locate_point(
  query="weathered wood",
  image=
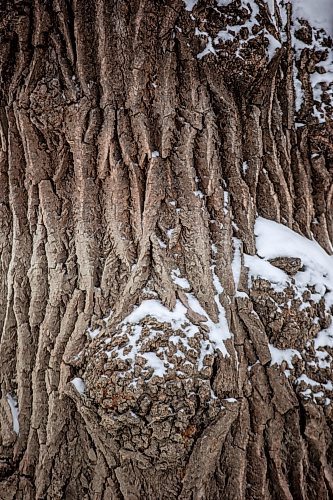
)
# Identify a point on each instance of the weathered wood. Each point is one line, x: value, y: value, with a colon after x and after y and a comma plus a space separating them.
x: 126, y: 157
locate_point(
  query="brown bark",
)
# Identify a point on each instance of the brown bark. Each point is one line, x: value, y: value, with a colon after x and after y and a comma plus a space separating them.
x: 93, y: 219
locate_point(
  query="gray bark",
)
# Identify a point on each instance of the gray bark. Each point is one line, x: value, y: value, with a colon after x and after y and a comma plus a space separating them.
x: 89, y: 91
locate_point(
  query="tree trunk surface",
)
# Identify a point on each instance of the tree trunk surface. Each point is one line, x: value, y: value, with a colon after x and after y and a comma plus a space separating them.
x: 144, y: 147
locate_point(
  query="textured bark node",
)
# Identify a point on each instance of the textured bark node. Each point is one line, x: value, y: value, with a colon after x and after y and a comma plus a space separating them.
x: 151, y: 346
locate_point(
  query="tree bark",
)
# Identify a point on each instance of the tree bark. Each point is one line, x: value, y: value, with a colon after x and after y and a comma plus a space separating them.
x: 138, y: 148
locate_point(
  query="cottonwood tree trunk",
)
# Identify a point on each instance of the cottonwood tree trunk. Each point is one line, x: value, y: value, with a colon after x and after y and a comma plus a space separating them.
x: 140, y: 140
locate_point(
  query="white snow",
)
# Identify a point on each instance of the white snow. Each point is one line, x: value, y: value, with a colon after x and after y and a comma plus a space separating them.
x: 107, y: 318
x: 308, y: 381
x: 155, y: 309
x: 273, y: 45
x: 209, y: 49
x: 93, y: 333
x: 177, y: 319
x: 324, y: 338
x: 198, y: 32
x: 280, y: 355
x: 319, y: 13
x: 319, y: 394
x: 230, y: 31
x: 276, y: 240
x: 319, y: 79
x: 198, y: 194
x: 156, y: 363
x: 271, y: 6
x: 324, y: 359
x: 155, y: 154
x: 170, y: 232
x: 15, y: 412
x: 79, y: 384
x: 176, y: 278
x: 236, y: 262
x: 260, y: 268
x: 328, y: 386
x: 245, y: 167
x: 225, y: 202
x: 217, y: 331
x: 189, y: 4
x: 161, y: 243
x: 312, y: 390
x: 216, y: 281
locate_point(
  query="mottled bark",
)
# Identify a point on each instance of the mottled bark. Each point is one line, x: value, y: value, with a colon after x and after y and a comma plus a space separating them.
x: 122, y: 163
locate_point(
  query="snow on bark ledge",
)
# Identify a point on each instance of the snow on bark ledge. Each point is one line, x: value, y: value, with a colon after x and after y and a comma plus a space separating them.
x: 294, y: 303
x: 276, y: 240
x: 158, y: 364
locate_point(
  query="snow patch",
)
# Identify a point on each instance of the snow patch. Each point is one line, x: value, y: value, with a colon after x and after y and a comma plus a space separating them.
x: 79, y: 384
x: 237, y: 261
x: 218, y: 332
x: 182, y: 282
x: 299, y: 95
x: 161, y: 243
x: 170, y: 232
x: 156, y: 363
x: 315, y: 278
x: 245, y: 167
x: 273, y: 45
x: 319, y: 13
x: 230, y: 31
x: 260, y: 268
x: 189, y: 4
x: 209, y: 49
x: 280, y: 355
x: 276, y: 240
x: 108, y: 316
x: 324, y: 338
x: 156, y: 310
x: 93, y: 333
x: 134, y: 342
x: 198, y: 194
x: 15, y: 412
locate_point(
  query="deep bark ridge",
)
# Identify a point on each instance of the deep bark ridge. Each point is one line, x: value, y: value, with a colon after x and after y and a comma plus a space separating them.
x: 166, y: 278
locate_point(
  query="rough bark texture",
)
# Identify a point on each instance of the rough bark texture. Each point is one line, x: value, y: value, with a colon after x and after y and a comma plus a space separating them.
x: 133, y: 157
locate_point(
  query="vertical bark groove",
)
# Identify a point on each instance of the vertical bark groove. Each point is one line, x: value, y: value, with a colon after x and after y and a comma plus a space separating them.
x: 140, y: 141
